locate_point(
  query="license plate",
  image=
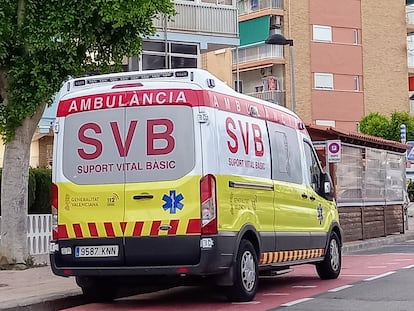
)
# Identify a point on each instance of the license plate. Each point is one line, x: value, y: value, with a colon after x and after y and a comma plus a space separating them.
x: 96, y: 251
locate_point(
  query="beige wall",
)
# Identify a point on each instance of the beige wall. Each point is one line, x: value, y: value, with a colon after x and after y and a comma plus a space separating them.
x: 34, y: 154
x: 384, y: 56
x: 297, y: 16
x: 219, y: 63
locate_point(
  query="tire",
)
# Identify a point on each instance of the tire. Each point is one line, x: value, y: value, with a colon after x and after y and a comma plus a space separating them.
x: 245, y: 274
x: 330, y: 267
x: 97, y: 289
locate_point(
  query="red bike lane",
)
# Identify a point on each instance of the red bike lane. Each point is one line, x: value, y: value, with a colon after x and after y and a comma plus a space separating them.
x: 302, y: 283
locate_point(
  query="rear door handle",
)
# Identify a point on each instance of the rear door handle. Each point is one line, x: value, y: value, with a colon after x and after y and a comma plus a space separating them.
x: 312, y: 198
x: 304, y: 196
x: 143, y: 196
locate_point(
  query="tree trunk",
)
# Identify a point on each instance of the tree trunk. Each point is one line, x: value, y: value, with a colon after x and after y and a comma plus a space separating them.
x: 14, y: 192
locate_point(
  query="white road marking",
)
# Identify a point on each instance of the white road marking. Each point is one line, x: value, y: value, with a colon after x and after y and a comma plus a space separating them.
x: 403, y: 259
x: 276, y: 294
x: 304, y: 286
x: 380, y: 276
x: 376, y: 267
x: 357, y: 275
x: 295, y: 302
x: 246, y: 303
x: 409, y: 267
x: 334, y: 290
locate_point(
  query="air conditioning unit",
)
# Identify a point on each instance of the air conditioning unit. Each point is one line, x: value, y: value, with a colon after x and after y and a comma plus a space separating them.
x: 276, y: 21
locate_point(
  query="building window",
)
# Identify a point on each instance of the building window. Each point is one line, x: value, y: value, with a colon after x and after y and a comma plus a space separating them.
x: 355, y: 36
x: 238, y: 86
x: 153, y: 62
x: 330, y: 123
x: 356, y: 83
x: 161, y: 55
x: 322, y: 33
x: 323, y: 81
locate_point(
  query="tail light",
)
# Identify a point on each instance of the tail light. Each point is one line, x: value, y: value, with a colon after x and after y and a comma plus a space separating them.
x: 54, y: 205
x: 208, y: 205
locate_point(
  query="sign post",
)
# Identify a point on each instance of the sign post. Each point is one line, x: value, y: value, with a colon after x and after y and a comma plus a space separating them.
x: 403, y: 133
x: 334, y: 151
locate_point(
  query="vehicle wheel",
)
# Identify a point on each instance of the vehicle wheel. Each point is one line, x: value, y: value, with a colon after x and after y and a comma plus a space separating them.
x: 245, y: 274
x: 330, y: 267
x: 97, y: 289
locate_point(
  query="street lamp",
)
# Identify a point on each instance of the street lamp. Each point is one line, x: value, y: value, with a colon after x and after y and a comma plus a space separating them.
x: 278, y: 39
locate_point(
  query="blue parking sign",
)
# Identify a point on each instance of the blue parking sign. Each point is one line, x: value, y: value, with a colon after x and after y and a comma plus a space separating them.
x: 410, y: 153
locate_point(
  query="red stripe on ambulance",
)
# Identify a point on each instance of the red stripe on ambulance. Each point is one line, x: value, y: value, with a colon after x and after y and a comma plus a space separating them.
x: 174, y: 226
x: 123, y: 225
x: 109, y: 229
x: 155, y: 227
x: 138, y: 228
x: 127, y: 99
x: 194, y: 226
x: 183, y: 97
x: 62, y: 232
x: 78, y: 230
x: 92, y: 229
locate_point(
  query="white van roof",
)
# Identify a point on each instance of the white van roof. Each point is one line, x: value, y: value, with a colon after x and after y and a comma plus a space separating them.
x: 200, y: 77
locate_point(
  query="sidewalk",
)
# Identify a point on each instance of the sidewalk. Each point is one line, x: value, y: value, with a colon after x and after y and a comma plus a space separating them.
x: 37, y: 289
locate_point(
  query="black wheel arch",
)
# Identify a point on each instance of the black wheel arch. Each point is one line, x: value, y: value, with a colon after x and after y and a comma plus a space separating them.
x: 248, y: 232
x: 335, y: 227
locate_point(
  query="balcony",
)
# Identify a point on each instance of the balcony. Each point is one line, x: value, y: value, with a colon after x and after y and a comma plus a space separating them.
x: 276, y: 97
x: 250, y: 6
x: 258, y: 52
x: 410, y: 21
x: 210, y: 20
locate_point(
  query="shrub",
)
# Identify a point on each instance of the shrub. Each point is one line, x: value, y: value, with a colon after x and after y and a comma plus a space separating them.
x: 41, y: 205
x: 40, y: 180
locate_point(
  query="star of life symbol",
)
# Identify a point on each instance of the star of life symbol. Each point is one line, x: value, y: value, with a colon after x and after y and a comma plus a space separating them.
x: 173, y: 202
x: 320, y: 214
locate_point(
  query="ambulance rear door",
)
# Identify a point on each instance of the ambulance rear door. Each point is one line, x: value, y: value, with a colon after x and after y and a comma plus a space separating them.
x: 162, y: 190
x: 90, y: 178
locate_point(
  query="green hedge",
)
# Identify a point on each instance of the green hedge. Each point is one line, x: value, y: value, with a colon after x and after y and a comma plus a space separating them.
x: 411, y: 191
x: 40, y: 180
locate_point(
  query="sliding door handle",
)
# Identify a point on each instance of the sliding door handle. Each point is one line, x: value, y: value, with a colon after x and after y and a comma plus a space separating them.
x: 143, y: 196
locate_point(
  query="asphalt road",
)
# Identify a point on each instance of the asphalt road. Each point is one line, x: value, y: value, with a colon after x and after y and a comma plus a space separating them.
x: 386, y: 292
x: 380, y: 280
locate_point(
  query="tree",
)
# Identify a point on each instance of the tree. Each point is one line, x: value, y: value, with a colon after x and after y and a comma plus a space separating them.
x: 398, y: 118
x: 376, y: 124
x: 42, y: 42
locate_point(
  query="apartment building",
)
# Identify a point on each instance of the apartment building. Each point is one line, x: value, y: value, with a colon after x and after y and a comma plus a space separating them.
x: 199, y: 26
x: 349, y: 57
x: 410, y: 52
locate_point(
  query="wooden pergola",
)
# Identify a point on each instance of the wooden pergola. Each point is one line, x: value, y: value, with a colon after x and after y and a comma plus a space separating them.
x: 363, y: 217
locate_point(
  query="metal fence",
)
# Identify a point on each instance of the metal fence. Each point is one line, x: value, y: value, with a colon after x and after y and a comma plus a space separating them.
x: 202, y: 18
x: 39, y: 228
x: 371, y: 176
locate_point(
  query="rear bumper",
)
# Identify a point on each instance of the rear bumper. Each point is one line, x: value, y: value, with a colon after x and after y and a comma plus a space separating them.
x: 215, y: 257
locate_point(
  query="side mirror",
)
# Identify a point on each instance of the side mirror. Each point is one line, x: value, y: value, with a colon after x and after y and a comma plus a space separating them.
x: 326, y: 189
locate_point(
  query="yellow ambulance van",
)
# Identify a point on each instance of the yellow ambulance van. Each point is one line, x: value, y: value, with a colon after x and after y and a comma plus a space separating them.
x: 172, y: 177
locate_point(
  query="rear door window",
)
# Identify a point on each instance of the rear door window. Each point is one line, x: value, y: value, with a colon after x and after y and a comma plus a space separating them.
x: 90, y: 151
x: 163, y: 146
x: 139, y: 144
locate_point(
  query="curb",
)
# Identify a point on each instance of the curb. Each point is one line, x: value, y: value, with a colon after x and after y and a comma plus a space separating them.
x: 52, y: 302
x: 350, y: 247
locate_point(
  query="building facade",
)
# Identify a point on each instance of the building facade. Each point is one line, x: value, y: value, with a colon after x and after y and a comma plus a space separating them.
x: 198, y: 27
x: 349, y: 57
